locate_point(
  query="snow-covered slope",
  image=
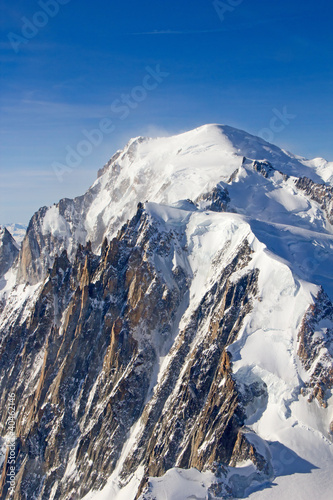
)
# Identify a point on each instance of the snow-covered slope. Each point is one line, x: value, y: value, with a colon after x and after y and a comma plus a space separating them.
x: 188, y: 354
x: 166, y: 170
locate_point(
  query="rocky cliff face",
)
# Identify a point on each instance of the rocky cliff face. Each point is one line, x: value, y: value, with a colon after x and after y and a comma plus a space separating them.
x: 83, y: 364
x: 320, y: 193
x: 43, y: 241
x: 195, y: 413
x: 8, y: 251
x: 103, y: 301
x: 86, y: 377
x: 316, y: 348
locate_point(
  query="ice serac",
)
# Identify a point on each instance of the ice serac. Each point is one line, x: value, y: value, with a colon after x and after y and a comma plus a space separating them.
x: 8, y: 251
x: 171, y: 329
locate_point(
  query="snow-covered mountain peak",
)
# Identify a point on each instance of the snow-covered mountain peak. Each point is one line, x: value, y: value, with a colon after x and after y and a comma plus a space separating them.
x: 17, y: 231
x: 229, y: 141
x: 166, y: 170
x: 6, y: 237
x: 9, y: 250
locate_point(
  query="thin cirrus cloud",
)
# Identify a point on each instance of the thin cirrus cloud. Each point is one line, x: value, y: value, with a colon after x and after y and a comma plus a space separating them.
x: 42, y: 108
x: 243, y: 25
x: 176, y: 32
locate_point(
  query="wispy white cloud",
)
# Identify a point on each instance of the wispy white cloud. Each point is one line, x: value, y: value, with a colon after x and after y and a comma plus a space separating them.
x: 176, y: 32
x: 26, y: 172
x: 31, y: 107
x: 249, y: 24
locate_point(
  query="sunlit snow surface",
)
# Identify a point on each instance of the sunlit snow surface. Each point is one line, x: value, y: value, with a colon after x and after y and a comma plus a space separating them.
x: 166, y: 170
x: 292, y: 245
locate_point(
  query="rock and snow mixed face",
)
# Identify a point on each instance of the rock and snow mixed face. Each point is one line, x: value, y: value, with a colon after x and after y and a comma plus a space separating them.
x: 166, y: 170
x: 8, y: 251
x: 17, y: 231
x: 197, y: 335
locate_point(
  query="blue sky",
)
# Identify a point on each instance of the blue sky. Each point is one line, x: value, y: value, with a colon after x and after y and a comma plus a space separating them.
x: 66, y: 65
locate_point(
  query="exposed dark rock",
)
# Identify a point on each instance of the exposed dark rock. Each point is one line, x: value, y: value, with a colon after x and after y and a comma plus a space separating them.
x: 116, y: 306
x: 82, y: 366
x: 199, y: 425
x: 320, y: 193
x: 264, y: 168
x: 106, y: 167
x: 8, y: 251
x: 216, y: 200
x: 316, y: 348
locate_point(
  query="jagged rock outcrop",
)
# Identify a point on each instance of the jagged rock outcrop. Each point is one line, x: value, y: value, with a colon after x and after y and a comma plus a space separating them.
x: 86, y: 359
x: 17, y: 231
x: 31, y: 262
x: 8, y: 251
x: 196, y: 423
x: 47, y: 236
x: 320, y: 193
x: 264, y: 168
x: 83, y: 377
x: 316, y: 348
x: 216, y: 200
